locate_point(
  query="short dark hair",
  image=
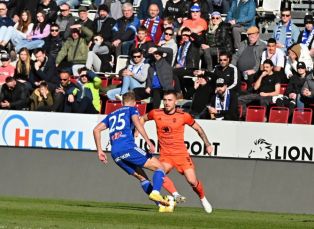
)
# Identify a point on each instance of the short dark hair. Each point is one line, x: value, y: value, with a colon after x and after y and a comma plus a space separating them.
x: 80, y: 70
x: 271, y: 41
x: 54, y: 25
x: 185, y: 29
x: 142, y: 28
x: 9, y: 79
x: 65, y: 71
x: 285, y: 9
x: 170, y: 92
x: 136, y: 50
x: 39, y: 50
x: 43, y: 84
x: 129, y: 96
x: 268, y: 61
x: 227, y: 54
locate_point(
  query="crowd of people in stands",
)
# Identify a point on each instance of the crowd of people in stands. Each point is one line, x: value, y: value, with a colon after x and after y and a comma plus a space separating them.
x: 54, y: 61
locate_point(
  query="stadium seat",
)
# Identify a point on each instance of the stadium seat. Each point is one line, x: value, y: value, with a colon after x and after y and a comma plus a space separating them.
x: 283, y: 88
x: 243, y: 86
x: 122, y: 62
x: 141, y: 107
x: 279, y: 115
x: 112, y: 106
x: 116, y: 81
x: 104, y: 82
x: 302, y: 116
x: 255, y: 114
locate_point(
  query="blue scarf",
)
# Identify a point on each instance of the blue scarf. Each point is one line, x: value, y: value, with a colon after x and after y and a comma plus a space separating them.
x: 288, y: 33
x: 223, y: 105
x: 307, y: 37
x: 154, y: 27
x: 182, y: 52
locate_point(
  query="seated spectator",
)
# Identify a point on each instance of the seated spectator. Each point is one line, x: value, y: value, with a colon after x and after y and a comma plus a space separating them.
x: 169, y: 42
x: 6, y: 25
x: 53, y: 43
x: 34, y: 40
x: 134, y: 76
x: 143, y: 41
x: 248, y: 58
x: 196, y: 24
x: 285, y: 32
x: 65, y: 20
x: 175, y: 9
x: 124, y: 30
x: 74, y: 51
x: 267, y: 87
x: 41, y: 98
x: 307, y: 90
x: 44, y: 69
x: 205, y: 6
x: 50, y: 8
x: 83, y: 18
x: 306, y: 37
x: 103, y: 24
x: 14, y: 95
x: 23, y: 68
x: 154, y: 23
x: 224, y: 105
x: 6, y: 69
x: 292, y: 96
x: 99, y: 57
x: 115, y: 8
x: 221, y: 6
x: 160, y: 78
x: 241, y: 16
x: 218, y: 39
x: 72, y: 3
x: 143, y: 12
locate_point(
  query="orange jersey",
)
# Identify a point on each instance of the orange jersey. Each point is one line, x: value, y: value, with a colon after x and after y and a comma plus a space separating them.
x: 170, y: 131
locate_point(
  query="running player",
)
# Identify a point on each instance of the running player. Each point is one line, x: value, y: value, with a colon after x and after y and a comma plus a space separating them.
x: 124, y: 151
x: 170, y: 124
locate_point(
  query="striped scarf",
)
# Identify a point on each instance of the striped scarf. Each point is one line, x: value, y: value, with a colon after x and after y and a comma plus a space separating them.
x: 154, y: 26
x: 223, y: 105
x: 182, y: 52
x: 288, y: 33
x: 307, y: 37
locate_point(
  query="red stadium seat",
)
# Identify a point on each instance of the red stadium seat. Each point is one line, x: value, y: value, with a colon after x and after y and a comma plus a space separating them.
x: 302, y: 116
x: 116, y: 81
x: 104, y: 82
x: 243, y: 86
x: 112, y: 106
x: 141, y: 107
x: 283, y: 88
x: 279, y: 115
x: 255, y: 114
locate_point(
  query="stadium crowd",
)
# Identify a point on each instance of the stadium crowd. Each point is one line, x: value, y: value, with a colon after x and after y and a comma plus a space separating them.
x: 54, y: 61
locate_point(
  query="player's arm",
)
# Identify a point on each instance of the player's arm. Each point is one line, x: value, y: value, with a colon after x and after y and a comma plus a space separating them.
x: 139, y: 126
x: 97, y: 137
x: 203, y: 136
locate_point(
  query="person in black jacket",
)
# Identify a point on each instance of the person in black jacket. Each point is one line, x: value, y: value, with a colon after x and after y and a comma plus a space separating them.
x: 50, y: 8
x: 14, y: 95
x: 53, y: 43
x: 176, y: 10
x: 84, y: 20
x: 104, y: 23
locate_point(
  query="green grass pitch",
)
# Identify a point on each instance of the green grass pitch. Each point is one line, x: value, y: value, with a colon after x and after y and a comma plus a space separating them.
x: 24, y: 213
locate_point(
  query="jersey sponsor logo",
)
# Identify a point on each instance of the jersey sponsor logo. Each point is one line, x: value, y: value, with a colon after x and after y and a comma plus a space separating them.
x: 166, y: 129
x: 116, y: 135
x: 123, y: 156
x: 141, y: 151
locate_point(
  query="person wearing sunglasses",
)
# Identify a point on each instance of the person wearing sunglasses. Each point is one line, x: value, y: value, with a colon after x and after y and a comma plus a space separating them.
x: 285, y: 32
x: 195, y: 23
x: 65, y: 20
x: 307, y: 35
x: 169, y: 42
x: 53, y: 43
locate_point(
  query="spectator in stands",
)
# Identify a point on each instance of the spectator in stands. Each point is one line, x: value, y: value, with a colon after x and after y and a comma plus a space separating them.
x: 169, y: 42
x: 297, y: 53
x: 53, y: 43
x: 71, y: 3
x: 134, y: 76
x: 44, y: 68
x: 196, y: 24
x: 241, y: 16
x: 6, y: 69
x: 224, y: 105
x: 83, y: 18
x: 41, y: 99
x: 285, y: 32
x: 50, y: 8
x: 308, y: 90
x: 160, y: 78
x: 292, y: 96
x: 144, y: 42
x: 30, y: 5
x: 103, y: 24
x: 222, y: 6
x: 248, y: 58
x: 267, y: 86
x: 23, y: 68
x: 6, y: 25
x: 74, y: 51
x: 65, y: 20
x: 143, y: 12
x: 124, y: 30
x: 99, y: 56
x: 218, y: 38
x: 115, y: 8
x: 176, y: 10
x: 205, y: 6
x: 154, y: 23
x: 34, y: 40
x: 277, y: 56
x: 13, y: 95
x: 306, y: 37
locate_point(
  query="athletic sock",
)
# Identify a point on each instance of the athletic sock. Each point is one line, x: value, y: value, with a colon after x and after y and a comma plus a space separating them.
x: 199, y: 189
x: 158, y: 179
x: 169, y: 185
x: 146, y: 186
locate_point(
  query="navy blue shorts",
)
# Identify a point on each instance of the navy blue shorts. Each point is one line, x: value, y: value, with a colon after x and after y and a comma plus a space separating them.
x: 131, y: 159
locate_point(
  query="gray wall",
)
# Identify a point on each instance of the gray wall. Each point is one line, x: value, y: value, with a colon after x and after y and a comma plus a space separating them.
x: 229, y: 183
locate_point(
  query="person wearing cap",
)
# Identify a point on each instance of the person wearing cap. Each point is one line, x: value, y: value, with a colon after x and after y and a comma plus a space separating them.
x: 307, y: 35
x: 65, y: 20
x: 196, y: 24
x: 205, y: 6
x: 223, y: 105
x: 83, y: 18
x: 154, y: 23
x: 103, y: 24
x: 307, y: 90
x: 50, y: 8
x: 285, y: 32
x: 248, y: 57
x: 241, y: 16
x: 6, y: 69
x: 292, y: 96
x: 217, y: 39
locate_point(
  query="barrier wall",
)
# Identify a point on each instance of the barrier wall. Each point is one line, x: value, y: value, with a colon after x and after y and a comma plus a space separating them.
x: 259, y: 185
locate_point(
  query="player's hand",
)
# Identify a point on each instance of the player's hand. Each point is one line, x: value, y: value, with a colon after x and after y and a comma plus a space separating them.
x: 151, y: 147
x: 102, y: 157
x: 209, y: 149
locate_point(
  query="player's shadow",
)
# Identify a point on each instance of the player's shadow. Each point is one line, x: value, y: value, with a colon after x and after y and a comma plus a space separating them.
x: 122, y: 207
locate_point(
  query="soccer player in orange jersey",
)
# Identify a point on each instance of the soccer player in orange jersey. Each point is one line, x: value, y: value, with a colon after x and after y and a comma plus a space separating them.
x: 170, y: 124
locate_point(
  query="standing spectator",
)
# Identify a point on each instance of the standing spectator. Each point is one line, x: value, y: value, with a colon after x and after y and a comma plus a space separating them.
x: 44, y: 68
x: 285, y: 32
x: 14, y: 95
x: 154, y: 23
x: 41, y: 99
x: 144, y: 42
x: 23, y: 68
x: 6, y: 25
x: 218, y: 39
x: 65, y: 20
x: 169, y: 42
x: 50, y: 8
x: 83, y: 18
x: 143, y: 13
x: 196, y: 24
x: 241, y: 16
x: 124, y: 30
x: 248, y: 58
x: 103, y: 24
x: 6, y: 69
x: 53, y: 43
x: 175, y: 9
x: 306, y: 37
